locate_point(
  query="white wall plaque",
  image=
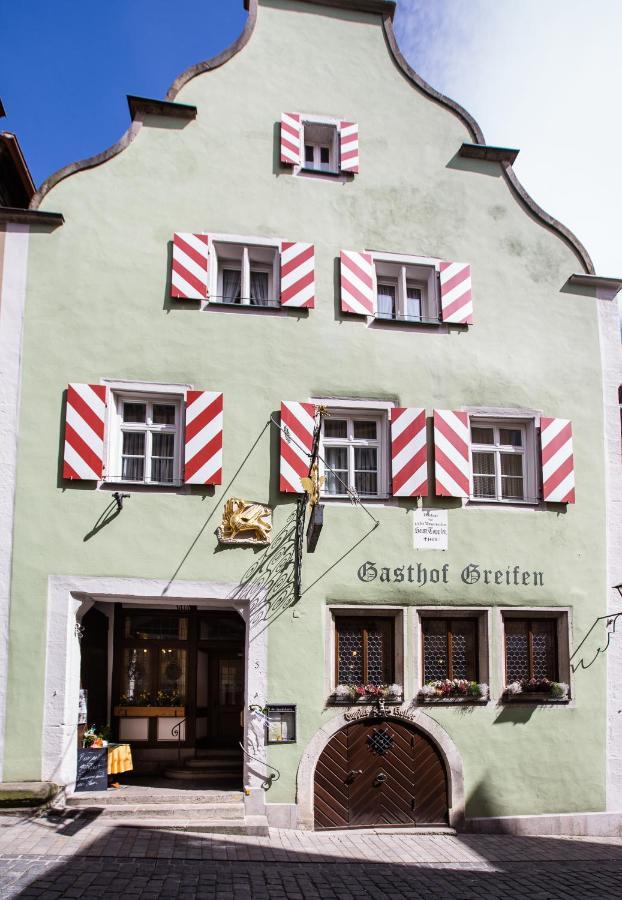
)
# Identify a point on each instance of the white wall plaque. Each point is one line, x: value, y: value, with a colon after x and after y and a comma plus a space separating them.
x: 431, y: 529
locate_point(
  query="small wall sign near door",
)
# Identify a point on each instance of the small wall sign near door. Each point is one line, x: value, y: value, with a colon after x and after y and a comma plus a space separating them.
x: 281, y: 724
x: 430, y: 529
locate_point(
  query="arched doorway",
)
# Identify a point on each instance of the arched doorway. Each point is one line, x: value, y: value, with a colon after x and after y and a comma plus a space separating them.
x: 380, y: 772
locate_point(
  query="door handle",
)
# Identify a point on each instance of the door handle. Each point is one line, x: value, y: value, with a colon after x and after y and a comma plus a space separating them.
x: 353, y: 773
x: 380, y: 777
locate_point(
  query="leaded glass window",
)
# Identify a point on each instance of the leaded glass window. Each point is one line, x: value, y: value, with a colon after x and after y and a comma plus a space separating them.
x: 364, y: 651
x: 449, y: 649
x: 530, y: 649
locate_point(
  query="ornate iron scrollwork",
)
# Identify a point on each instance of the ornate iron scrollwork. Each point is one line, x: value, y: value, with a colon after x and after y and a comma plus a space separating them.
x: 380, y: 741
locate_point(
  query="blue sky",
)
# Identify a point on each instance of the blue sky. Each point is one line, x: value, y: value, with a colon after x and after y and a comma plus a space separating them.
x: 66, y: 66
x: 540, y: 76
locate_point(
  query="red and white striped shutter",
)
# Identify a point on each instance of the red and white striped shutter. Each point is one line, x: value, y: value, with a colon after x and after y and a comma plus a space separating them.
x: 297, y: 425
x: 357, y: 283
x: 456, y: 294
x: 83, y: 458
x: 409, y: 452
x: 451, y: 453
x: 291, y: 139
x: 557, y: 460
x: 189, y: 273
x: 203, y: 437
x: 349, y: 146
x: 297, y: 274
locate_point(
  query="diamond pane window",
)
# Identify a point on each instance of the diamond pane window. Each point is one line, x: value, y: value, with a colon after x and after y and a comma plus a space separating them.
x: 449, y: 649
x: 364, y: 651
x: 530, y: 649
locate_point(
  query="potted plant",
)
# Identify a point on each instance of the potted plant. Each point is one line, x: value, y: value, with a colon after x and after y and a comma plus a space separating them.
x: 540, y: 689
x: 165, y: 704
x: 453, y: 690
x: 365, y: 693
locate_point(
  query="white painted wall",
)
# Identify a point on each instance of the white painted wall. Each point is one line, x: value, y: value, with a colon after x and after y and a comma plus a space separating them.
x: 12, y: 297
x: 611, y: 349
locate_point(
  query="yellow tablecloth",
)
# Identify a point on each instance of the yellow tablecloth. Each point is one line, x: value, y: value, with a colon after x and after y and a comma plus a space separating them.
x: 119, y: 759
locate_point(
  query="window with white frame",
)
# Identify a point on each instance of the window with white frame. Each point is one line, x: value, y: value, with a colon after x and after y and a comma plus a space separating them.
x: 406, y: 291
x: 245, y: 274
x: 145, y: 439
x: 353, y: 452
x: 320, y: 143
x: 503, y: 464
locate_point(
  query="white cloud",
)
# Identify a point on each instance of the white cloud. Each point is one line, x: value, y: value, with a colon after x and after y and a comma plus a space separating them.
x: 544, y: 77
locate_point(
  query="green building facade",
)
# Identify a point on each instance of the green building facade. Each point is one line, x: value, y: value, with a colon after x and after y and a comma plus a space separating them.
x: 459, y: 405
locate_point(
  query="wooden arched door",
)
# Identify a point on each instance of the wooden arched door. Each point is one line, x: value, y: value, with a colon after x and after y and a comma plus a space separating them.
x: 380, y: 772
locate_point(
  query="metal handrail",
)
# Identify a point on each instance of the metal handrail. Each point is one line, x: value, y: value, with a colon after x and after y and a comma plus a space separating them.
x: 270, y: 778
x: 176, y: 732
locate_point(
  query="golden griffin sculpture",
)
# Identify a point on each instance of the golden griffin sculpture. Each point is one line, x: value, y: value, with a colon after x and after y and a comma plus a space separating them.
x: 245, y: 522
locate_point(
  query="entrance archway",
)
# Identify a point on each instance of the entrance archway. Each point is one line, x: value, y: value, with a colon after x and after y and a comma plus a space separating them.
x: 440, y: 796
x: 376, y: 773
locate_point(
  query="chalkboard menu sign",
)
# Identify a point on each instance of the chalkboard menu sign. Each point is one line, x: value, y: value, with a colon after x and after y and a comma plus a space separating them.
x: 92, y: 769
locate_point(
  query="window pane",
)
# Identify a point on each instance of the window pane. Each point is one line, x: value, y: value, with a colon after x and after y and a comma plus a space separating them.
x: 335, y: 428
x: 365, y: 430
x: 512, y: 476
x: 544, y: 650
x: 386, y: 301
x: 163, y: 414
x: 324, y: 155
x: 162, y: 457
x: 134, y: 412
x: 516, y: 650
x: 350, y: 654
x: 463, y: 646
x: 481, y: 435
x: 365, y: 470
x: 260, y: 284
x: 484, y: 475
x: 230, y: 682
x: 133, y: 456
x: 231, y: 285
x: 435, y: 661
x: 377, y: 650
x: 156, y: 628
x: 336, y: 481
x: 137, y: 676
x: 309, y: 154
x: 512, y: 437
x: 172, y: 666
x: 413, y: 303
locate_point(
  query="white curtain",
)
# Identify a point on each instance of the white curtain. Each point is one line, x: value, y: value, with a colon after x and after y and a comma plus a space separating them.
x: 259, y: 288
x: 231, y: 285
x: 386, y: 301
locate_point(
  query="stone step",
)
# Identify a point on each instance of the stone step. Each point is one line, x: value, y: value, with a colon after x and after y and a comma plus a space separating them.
x: 201, y: 811
x: 214, y: 762
x: 169, y: 797
x: 204, y: 752
x: 251, y: 825
x: 211, y: 774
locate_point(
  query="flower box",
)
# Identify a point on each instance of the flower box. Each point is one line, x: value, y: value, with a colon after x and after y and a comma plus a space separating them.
x: 536, y: 690
x: 164, y: 712
x: 459, y: 691
x: 361, y: 695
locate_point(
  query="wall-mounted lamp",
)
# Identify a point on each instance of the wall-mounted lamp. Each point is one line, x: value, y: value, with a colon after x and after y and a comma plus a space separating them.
x: 120, y: 498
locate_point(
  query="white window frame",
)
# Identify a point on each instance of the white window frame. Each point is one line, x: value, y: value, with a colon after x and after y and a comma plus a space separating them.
x: 421, y: 272
x: 309, y: 123
x: 351, y: 414
x: 116, y: 429
x: 218, y: 261
x: 527, y: 426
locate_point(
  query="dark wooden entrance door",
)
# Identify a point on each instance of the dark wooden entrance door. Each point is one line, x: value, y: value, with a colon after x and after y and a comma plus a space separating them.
x: 380, y: 772
x: 226, y: 698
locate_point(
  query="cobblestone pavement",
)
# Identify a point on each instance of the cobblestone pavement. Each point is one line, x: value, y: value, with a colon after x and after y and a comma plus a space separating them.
x: 45, y: 859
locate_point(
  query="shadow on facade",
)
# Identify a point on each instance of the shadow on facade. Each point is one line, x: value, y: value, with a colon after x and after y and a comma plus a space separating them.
x: 126, y: 860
